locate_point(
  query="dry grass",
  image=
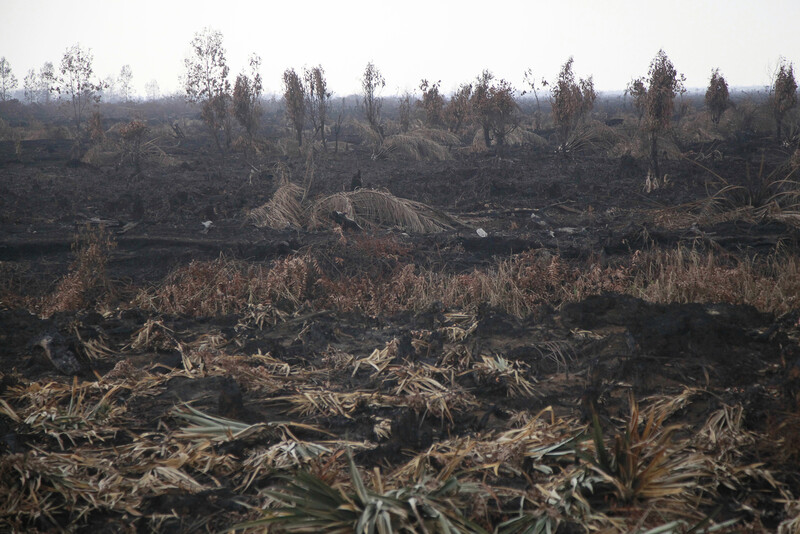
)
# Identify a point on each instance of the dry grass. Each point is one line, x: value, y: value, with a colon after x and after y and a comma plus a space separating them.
x: 86, y: 282
x: 373, y: 208
x: 518, y: 285
x: 761, y: 197
x: 541, y: 470
x: 536, y: 470
x: 591, y: 135
x: 523, y: 137
x: 223, y: 286
x: 698, y: 128
x: 283, y: 209
x: 365, y: 131
x: 629, y: 141
x: 420, y: 144
x: 685, y: 275
x: 644, y: 461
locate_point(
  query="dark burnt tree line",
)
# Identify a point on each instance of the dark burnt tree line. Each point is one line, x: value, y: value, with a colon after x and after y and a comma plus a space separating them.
x: 488, y: 103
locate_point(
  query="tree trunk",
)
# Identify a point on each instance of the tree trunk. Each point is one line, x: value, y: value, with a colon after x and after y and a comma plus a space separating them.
x: 299, y: 136
x: 654, y: 170
x: 486, y: 139
x: 500, y: 142
x: 215, y: 136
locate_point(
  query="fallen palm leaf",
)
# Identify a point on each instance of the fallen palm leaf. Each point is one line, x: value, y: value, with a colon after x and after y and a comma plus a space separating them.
x: 379, y: 360
x: 221, y: 429
x: 371, y: 208
x: 496, y: 371
x: 310, y: 504
x: 282, y: 210
x: 367, y: 208
x: 418, y: 145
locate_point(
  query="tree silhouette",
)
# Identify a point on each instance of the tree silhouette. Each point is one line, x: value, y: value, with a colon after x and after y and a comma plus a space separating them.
x: 8, y: 82
x: 206, y: 82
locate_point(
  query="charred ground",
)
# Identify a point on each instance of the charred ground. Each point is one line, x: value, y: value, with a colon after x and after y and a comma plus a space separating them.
x: 428, y: 356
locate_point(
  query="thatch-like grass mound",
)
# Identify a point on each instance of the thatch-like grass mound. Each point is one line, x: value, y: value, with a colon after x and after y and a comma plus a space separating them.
x: 282, y: 210
x: 369, y: 208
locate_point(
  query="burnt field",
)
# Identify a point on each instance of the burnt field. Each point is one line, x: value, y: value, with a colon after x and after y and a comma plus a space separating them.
x: 532, y: 339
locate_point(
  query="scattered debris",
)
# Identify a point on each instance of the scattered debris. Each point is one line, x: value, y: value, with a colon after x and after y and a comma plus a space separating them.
x: 59, y: 353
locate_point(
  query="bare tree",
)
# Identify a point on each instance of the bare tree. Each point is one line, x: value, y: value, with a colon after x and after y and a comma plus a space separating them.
x: 246, y: 97
x: 206, y: 83
x: 657, y: 100
x: 47, y: 76
x: 495, y: 109
x: 30, y: 86
x: 8, y: 82
x: 371, y: 84
x: 505, y: 118
x: 404, y: 112
x: 571, y: 100
x: 530, y: 81
x: 124, y: 80
x: 151, y: 90
x: 717, y: 96
x: 783, y: 94
x: 110, y: 91
x: 459, y: 109
x: 317, y: 99
x: 638, y: 91
x: 432, y: 102
x: 481, y: 104
x: 133, y: 134
x: 75, y: 83
x: 337, y: 126
x: 294, y: 94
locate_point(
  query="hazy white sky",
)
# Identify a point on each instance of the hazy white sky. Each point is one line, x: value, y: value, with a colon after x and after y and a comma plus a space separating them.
x: 614, y: 40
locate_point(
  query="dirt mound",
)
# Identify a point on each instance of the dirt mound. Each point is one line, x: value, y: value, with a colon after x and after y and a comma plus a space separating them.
x: 686, y: 342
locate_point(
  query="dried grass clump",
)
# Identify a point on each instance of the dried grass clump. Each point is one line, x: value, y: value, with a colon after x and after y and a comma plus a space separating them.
x: 415, y: 145
x: 367, y: 207
x: 59, y: 490
x: 524, y: 282
x: 443, y: 137
x: 590, y: 135
x: 685, y: 276
x: 758, y: 197
x: 698, y: 128
x: 645, y: 462
x: 315, y: 502
x: 365, y: 131
x: 87, y: 279
x: 631, y: 144
x: 520, y: 284
x: 522, y: 136
x: 282, y: 210
x: 403, y: 290
x: 370, y: 208
x: 517, y: 285
x: 223, y: 286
